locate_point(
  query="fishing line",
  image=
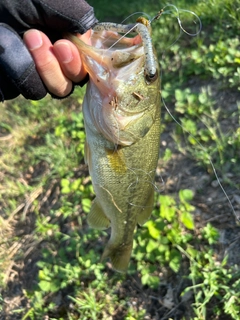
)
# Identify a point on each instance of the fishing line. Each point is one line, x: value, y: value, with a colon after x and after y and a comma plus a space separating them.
x: 137, y: 13
x: 179, y: 20
x: 209, y: 159
x: 178, y: 11
x: 129, y: 31
x: 147, y: 179
x: 123, y: 36
x: 128, y: 17
x: 161, y: 12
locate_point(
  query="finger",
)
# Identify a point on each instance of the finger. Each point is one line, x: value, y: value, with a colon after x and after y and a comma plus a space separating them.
x: 69, y: 58
x: 47, y: 64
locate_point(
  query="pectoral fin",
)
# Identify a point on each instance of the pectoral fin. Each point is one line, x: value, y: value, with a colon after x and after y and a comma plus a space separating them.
x: 97, y: 218
x: 135, y: 129
x: 144, y: 215
x: 86, y: 152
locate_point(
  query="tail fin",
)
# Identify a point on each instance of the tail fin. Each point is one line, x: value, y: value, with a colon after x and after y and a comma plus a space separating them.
x: 119, y: 256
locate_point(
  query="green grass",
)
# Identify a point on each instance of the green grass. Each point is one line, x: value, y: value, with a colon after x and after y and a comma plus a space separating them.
x: 50, y: 259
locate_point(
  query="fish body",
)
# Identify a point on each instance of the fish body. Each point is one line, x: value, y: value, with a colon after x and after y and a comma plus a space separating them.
x: 122, y: 122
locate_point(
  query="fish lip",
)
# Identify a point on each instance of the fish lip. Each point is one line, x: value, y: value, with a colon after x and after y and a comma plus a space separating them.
x: 128, y: 45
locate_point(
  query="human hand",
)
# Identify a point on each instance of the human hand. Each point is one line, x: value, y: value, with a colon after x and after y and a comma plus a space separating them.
x: 58, y: 64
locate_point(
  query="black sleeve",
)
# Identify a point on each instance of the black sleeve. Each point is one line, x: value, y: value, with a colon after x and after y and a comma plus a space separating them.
x: 50, y: 16
x: 18, y: 74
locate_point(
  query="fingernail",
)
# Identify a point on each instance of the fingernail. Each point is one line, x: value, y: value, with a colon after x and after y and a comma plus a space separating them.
x: 64, y: 52
x: 33, y: 39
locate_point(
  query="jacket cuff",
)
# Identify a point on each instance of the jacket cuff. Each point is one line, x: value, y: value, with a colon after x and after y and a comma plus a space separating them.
x: 88, y: 21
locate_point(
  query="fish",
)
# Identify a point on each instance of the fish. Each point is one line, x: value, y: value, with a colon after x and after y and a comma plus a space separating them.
x: 121, y: 110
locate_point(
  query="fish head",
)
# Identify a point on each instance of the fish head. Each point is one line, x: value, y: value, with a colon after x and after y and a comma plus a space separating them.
x: 118, y: 93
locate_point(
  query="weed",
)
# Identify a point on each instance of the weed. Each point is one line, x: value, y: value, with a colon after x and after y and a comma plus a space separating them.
x: 158, y: 242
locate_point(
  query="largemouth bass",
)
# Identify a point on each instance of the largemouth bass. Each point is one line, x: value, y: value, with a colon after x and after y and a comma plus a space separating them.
x: 121, y: 112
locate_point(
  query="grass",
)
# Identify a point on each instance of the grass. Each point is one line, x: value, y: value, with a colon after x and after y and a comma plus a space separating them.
x: 185, y: 261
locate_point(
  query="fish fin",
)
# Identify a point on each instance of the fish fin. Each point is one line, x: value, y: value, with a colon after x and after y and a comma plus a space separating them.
x: 137, y: 129
x: 97, y: 218
x: 144, y: 215
x: 119, y: 256
x: 86, y: 152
